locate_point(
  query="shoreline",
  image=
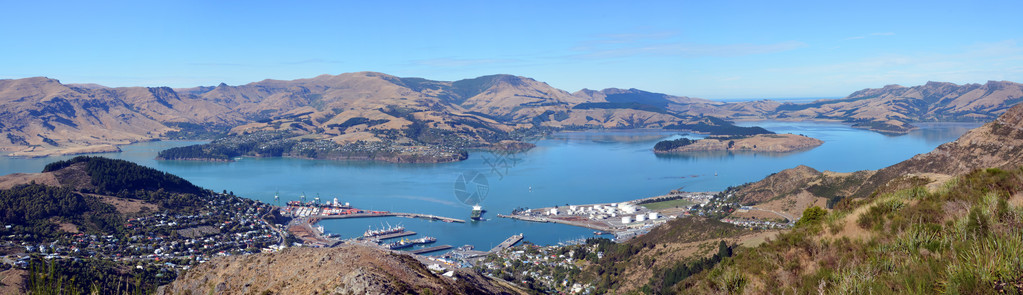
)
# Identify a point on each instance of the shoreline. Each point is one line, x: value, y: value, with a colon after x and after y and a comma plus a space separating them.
x: 20, y: 151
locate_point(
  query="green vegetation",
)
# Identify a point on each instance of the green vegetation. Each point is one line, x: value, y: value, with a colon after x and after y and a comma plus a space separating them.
x: 79, y: 242
x: 112, y: 176
x: 357, y: 121
x: 665, y: 280
x: 93, y: 276
x: 677, y: 203
x: 811, y: 216
x: 798, y: 107
x: 30, y: 207
x: 228, y: 147
x: 641, y: 97
x: 964, y: 238
x: 196, y: 131
x: 667, y: 145
x: 621, y: 105
x: 717, y: 126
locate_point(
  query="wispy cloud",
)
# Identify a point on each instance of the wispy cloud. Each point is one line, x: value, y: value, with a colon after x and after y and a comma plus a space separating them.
x: 979, y: 62
x: 312, y: 61
x: 625, y: 38
x: 696, y: 50
x: 669, y: 43
x: 461, y: 62
x: 871, y: 35
x: 217, y: 64
x: 269, y: 63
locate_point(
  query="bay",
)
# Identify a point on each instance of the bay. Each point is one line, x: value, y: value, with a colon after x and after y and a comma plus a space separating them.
x: 599, y: 166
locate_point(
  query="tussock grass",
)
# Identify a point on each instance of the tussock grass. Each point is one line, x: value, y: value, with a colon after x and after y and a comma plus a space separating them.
x: 963, y: 238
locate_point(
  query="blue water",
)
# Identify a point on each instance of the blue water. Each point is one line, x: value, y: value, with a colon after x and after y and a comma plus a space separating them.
x: 568, y: 168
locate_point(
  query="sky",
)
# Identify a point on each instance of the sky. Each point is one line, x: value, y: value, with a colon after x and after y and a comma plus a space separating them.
x: 709, y: 49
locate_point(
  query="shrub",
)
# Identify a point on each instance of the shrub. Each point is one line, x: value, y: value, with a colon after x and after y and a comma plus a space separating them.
x: 812, y: 215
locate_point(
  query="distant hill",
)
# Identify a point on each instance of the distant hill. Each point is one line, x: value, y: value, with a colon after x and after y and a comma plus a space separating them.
x: 893, y: 108
x: 41, y: 116
x: 997, y: 144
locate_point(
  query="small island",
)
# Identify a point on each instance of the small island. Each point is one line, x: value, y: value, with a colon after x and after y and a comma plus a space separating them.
x: 775, y: 143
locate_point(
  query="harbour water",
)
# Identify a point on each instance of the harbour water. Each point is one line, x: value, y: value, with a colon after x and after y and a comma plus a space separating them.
x: 567, y: 168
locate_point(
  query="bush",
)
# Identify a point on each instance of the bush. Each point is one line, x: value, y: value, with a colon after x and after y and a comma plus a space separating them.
x: 667, y: 145
x: 812, y: 215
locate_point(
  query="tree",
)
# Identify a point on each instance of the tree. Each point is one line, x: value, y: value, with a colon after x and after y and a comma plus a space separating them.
x: 812, y: 215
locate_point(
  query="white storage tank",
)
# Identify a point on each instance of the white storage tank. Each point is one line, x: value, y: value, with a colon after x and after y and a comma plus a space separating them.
x: 640, y: 217
x: 653, y: 215
x: 626, y: 219
x: 554, y: 211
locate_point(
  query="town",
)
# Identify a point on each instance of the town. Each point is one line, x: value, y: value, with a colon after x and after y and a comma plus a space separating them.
x: 227, y: 225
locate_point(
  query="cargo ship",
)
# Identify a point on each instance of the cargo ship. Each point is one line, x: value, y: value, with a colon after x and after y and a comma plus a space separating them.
x: 477, y: 213
x: 403, y: 243
x: 380, y: 232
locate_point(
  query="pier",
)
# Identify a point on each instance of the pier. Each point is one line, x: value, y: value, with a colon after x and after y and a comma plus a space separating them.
x: 430, y: 249
x: 508, y: 243
x: 391, y: 236
x: 388, y: 214
x: 590, y: 224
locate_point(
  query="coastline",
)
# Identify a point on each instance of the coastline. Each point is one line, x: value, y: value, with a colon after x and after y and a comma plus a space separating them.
x: 33, y: 152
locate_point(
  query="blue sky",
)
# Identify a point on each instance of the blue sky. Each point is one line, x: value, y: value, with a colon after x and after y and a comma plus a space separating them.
x: 709, y: 49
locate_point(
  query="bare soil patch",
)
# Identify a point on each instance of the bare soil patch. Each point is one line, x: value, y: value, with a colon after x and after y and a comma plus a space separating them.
x: 11, y: 180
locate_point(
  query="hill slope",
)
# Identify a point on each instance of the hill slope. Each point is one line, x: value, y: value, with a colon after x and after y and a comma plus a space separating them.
x: 903, y: 234
x: 41, y: 116
x: 344, y: 270
x: 893, y: 108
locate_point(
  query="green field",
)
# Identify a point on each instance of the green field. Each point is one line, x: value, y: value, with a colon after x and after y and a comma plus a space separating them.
x: 680, y: 203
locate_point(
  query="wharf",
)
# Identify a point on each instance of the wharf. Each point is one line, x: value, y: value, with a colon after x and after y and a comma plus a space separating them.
x: 389, y: 214
x: 391, y: 236
x: 430, y: 249
x: 595, y: 225
x: 507, y: 243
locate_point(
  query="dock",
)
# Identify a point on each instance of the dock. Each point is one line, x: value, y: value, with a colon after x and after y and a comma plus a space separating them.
x: 507, y: 243
x: 388, y: 214
x: 391, y: 236
x: 430, y: 249
x: 600, y: 226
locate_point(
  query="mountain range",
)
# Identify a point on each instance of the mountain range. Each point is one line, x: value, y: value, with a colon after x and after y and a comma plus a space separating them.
x: 41, y: 116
